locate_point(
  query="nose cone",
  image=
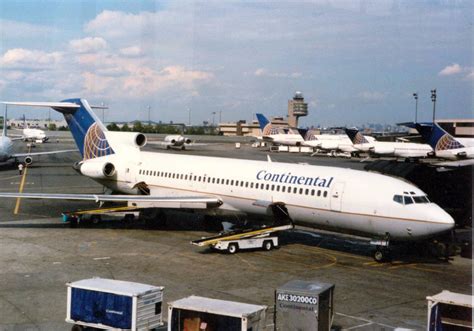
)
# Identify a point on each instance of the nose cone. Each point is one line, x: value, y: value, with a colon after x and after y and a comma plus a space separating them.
x: 444, y: 221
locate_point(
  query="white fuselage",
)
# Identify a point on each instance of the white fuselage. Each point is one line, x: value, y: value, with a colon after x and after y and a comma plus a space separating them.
x: 322, y: 197
x: 397, y: 149
x: 333, y: 142
x: 34, y: 134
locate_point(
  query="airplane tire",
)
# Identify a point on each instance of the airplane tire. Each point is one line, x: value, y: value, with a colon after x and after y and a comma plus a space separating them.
x: 95, y: 219
x: 183, y: 148
x: 232, y: 248
x: 267, y: 245
x: 381, y: 255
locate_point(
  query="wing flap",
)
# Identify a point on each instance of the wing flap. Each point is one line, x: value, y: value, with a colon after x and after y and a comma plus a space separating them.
x: 139, y: 201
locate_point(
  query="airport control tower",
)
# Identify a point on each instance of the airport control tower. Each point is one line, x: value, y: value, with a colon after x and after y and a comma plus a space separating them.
x: 296, y: 108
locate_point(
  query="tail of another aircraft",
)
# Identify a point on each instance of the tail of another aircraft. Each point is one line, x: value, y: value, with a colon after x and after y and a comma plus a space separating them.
x: 436, y: 137
x: 265, y: 125
x: 86, y: 128
x: 356, y: 137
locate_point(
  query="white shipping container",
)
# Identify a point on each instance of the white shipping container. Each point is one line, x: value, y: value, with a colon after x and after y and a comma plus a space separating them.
x: 114, y: 304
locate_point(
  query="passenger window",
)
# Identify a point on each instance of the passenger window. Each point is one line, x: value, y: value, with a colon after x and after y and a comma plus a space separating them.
x: 242, y: 183
x: 268, y: 186
x: 301, y: 191
x: 227, y: 182
x: 398, y: 198
x: 295, y: 190
x: 246, y: 184
x: 312, y: 192
x: 407, y: 199
x: 325, y: 194
x: 213, y: 180
x: 273, y: 187
x: 251, y: 185
x: 278, y: 188
x: 283, y: 188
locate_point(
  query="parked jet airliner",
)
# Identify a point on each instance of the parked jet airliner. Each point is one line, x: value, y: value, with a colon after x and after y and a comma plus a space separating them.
x: 277, y: 135
x: 445, y: 145
x: 386, y: 148
x: 339, y: 199
x: 6, y: 148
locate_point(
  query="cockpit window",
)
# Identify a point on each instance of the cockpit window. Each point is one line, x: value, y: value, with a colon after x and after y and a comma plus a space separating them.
x: 407, y: 200
x: 421, y: 199
x: 398, y: 198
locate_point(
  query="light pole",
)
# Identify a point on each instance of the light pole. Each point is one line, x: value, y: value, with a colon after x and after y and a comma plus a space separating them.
x: 433, y: 98
x: 415, y: 95
x: 213, y: 117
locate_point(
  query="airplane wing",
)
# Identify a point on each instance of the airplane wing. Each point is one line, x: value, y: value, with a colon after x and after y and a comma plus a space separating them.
x: 139, y: 201
x: 43, y: 153
x: 455, y: 164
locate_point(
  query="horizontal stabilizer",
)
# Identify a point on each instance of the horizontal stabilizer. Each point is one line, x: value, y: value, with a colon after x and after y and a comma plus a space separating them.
x: 43, y: 104
x: 44, y: 153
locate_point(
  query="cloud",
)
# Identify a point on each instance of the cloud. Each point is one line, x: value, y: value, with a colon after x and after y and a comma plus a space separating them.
x: 372, y: 95
x: 132, y: 51
x: 451, y: 70
x: 20, y: 58
x: 261, y: 72
x: 87, y: 45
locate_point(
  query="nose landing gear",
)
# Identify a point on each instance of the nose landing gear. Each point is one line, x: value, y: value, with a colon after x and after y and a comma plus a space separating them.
x: 381, y: 253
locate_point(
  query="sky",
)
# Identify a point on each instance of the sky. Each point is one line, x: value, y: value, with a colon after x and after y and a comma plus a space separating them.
x: 356, y: 61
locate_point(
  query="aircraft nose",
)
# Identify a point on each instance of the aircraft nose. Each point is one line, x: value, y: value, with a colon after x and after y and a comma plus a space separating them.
x: 444, y: 220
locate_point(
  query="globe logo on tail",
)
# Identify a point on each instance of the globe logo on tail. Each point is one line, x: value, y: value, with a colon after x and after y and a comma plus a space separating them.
x: 95, y: 143
x: 447, y: 142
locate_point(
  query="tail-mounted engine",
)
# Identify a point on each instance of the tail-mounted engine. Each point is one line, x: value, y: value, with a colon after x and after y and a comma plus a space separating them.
x: 94, y: 169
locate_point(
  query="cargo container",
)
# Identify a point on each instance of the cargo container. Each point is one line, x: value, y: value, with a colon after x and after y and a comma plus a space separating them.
x: 113, y: 304
x: 196, y: 313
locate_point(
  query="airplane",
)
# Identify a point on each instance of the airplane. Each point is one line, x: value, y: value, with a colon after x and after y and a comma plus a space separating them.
x: 332, y: 142
x: 386, y: 148
x: 277, y: 135
x: 6, y: 148
x: 176, y: 142
x: 446, y: 146
x: 32, y: 134
x: 339, y: 199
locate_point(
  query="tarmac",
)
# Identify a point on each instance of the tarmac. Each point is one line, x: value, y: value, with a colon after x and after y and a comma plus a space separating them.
x: 39, y: 254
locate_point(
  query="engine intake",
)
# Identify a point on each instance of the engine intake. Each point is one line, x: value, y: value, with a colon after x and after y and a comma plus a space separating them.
x: 140, y: 140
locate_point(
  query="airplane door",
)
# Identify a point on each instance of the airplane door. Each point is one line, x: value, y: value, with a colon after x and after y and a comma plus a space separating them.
x: 336, y: 196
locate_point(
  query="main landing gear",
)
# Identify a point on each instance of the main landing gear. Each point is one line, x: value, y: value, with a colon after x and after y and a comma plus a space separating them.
x: 381, y: 253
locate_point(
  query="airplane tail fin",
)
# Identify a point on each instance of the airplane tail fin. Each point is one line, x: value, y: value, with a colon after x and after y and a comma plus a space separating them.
x: 436, y: 137
x: 265, y: 124
x: 310, y: 135
x: 356, y: 137
x: 86, y: 128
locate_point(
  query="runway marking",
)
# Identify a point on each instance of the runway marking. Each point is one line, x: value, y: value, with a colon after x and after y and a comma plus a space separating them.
x: 366, y: 321
x: 22, y: 184
x: 7, y: 178
x: 101, y: 258
x: 427, y: 269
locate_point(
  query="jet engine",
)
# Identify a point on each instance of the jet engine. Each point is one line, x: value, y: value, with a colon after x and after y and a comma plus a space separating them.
x: 28, y: 160
x: 127, y: 138
x: 93, y: 169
